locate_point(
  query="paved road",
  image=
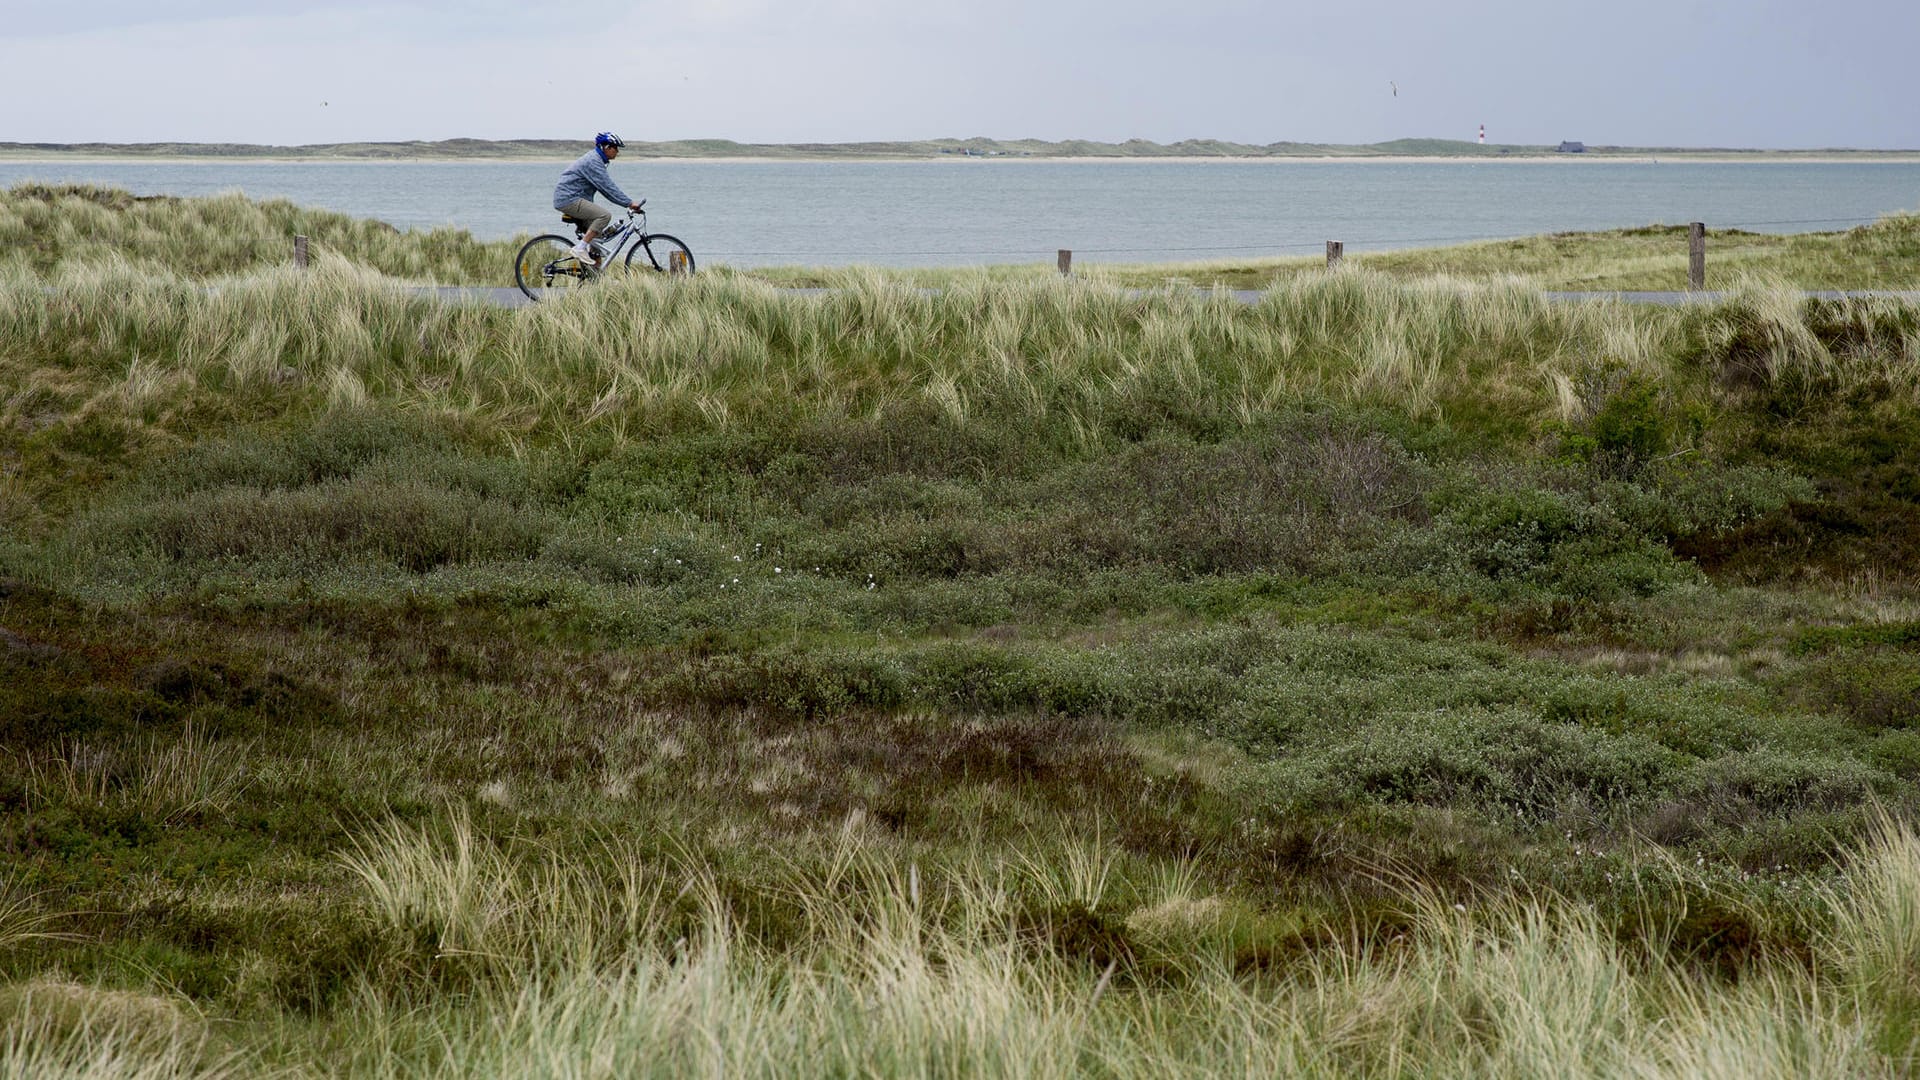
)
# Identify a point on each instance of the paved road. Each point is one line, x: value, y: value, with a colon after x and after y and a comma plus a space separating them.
x: 515, y: 298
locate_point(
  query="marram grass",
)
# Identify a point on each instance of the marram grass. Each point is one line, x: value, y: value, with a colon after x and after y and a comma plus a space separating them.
x: 47, y: 228
x: 721, y: 353
x: 609, y: 963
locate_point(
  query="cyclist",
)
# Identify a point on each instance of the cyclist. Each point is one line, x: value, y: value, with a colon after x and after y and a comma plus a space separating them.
x: 573, y: 196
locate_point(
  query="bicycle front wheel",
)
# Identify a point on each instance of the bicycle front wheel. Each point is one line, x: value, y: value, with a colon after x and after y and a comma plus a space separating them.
x: 660, y: 253
x: 546, y: 267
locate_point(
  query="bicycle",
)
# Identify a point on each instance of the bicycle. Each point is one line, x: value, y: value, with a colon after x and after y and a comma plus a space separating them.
x: 546, y: 265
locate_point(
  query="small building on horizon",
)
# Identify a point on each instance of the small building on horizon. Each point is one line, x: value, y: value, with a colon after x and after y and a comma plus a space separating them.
x: 1571, y: 147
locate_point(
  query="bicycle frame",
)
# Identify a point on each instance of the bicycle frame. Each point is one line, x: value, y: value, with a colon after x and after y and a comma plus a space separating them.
x: 621, y: 233
x: 617, y: 234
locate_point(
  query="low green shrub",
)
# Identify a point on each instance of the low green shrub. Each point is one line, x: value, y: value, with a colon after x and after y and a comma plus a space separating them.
x: 1742, y: 784
x: 414, y: 525
x: 1627, y: 421
x: 1877, y: 688
x: 1511, y: 759
x: 333, y: 446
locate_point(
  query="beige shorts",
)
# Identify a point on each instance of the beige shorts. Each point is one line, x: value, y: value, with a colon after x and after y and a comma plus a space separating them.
x: 595, y: 215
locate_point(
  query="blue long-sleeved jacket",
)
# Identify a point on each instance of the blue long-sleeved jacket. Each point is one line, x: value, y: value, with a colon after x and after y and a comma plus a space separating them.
x: 583, y: 178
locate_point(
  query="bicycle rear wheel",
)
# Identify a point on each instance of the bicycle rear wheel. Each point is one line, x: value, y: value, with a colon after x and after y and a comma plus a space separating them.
x: 662, y: 253
x: 546, y: 267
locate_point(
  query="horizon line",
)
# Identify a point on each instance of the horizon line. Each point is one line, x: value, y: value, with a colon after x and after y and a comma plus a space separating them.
x: 1471, y: 146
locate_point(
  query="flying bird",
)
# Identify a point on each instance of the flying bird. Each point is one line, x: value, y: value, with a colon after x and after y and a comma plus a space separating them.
x: 1396, y: 87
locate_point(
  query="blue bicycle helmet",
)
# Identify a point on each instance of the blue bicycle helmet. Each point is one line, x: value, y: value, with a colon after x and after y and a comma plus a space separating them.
x: 608, y: 138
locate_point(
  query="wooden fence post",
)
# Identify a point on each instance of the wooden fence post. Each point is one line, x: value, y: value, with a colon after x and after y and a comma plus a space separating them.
x: 299, y: 253
x: 1697, y: 256
x: 1066, y: 261
x: 1336, y: 250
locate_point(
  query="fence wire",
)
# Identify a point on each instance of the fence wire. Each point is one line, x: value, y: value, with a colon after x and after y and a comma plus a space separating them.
x: 1276, y: 247
x: 256, y: 247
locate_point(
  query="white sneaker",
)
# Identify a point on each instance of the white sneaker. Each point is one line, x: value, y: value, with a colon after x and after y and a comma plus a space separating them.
x: 584, y: 253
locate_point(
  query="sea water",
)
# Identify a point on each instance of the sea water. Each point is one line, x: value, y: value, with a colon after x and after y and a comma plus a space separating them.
x: 949, y: 212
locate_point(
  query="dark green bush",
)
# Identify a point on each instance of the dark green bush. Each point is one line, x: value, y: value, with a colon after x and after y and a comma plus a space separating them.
x: 1628, y: 419
x: 1605, y: 568
x: 1286, y: 500
x: 412, y: 524
x: 1508, y: 758
x: 1765, y: 781
x: 1819, y: 639
x: 335, y: 447
x: 1508, y: 532
x: 1898, y: 752
x: 1877, y: 688
x: 995, y: 679
x: 599, y: 561
x: 1593, y: 544
x: 34, y: 713
x: 805, y: 685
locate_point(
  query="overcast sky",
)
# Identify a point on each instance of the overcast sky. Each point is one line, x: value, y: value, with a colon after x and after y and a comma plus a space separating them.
x: 1758, y: 73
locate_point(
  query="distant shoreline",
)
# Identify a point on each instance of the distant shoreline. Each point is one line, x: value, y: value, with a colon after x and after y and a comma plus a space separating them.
x: 1863, y: 158
x: 708, y: 151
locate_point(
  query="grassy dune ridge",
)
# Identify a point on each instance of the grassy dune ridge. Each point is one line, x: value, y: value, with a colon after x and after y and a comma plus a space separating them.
x: 44, y: 227
x: 1394, y: 675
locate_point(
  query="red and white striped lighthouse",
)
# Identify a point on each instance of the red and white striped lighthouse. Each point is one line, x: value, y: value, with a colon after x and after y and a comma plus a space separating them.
x: 1483, y: 134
